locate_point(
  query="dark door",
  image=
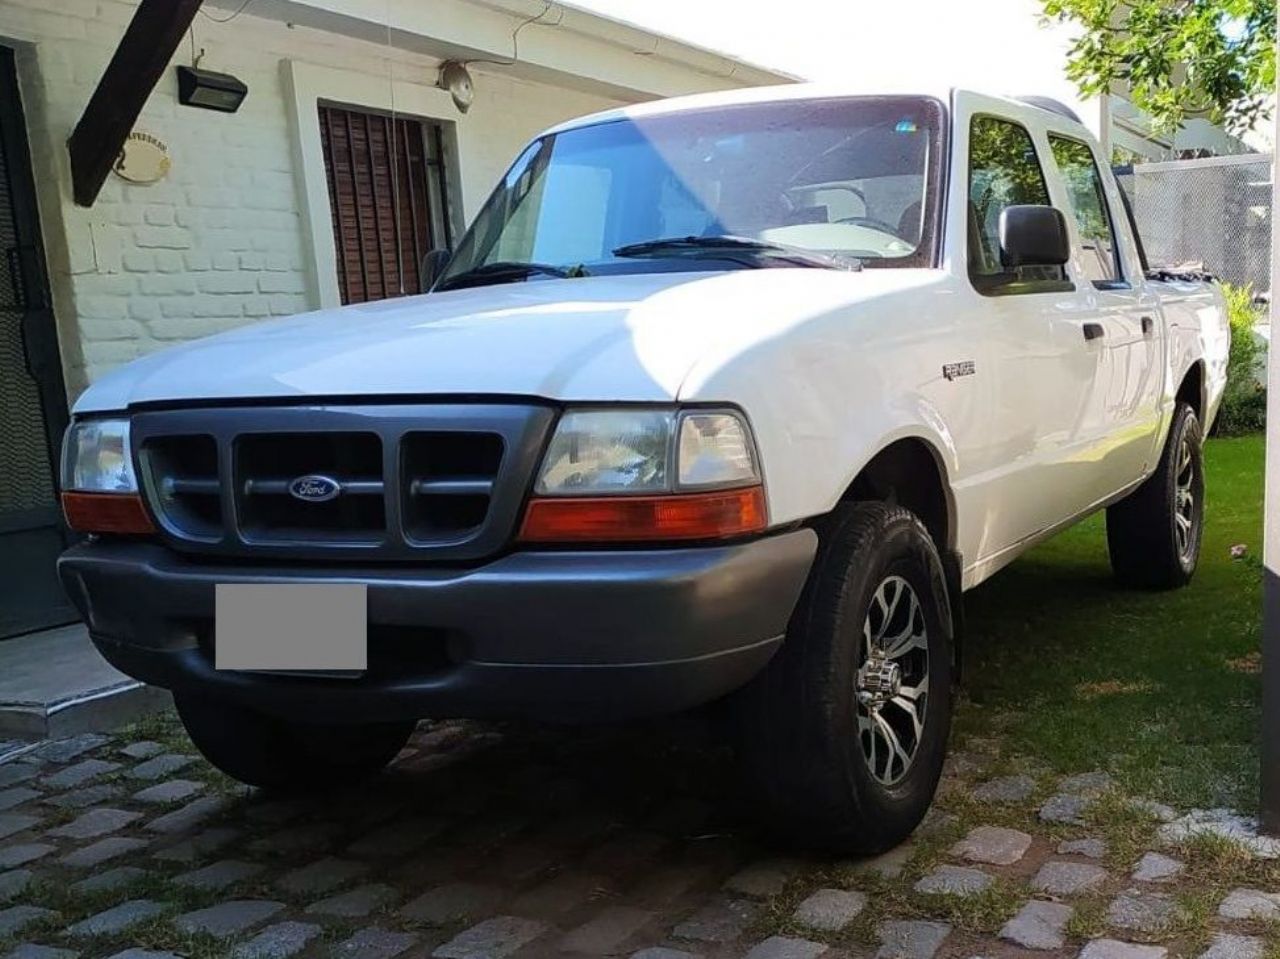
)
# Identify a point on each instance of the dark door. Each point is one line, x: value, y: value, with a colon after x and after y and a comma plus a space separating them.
x: 33, y: 406
x: 387, y: 194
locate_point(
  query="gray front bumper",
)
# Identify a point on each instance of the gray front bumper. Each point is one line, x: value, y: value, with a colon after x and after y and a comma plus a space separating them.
x: 551, y: 635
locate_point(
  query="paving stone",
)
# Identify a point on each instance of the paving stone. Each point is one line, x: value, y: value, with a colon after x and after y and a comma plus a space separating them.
x: 142, y: 749
x: 1225, y: 823
x: 1141, y: 912
x: 219, y: 875
x: 492, y: 939
x: 189, y: 816
x: 228, y: 918
x: 117, y: 918
x: 1068, y: 878
x: 310, y: 837
x: 400, y: 838
x: 1086, y: 784
x: 1157, y: 809
x: 12, y: 823
x: 562, y: 893
x: 935, y: 821
x: 889, y: 864
x: 65, y: 750
x: 157, y: 767
x: 993, y: 844
x: 454, y: 900
x: 31, y: 950
x: 374, y: 943
x: 13, y: 773
x: 1038, y: 925
x: 718, y: 922
x: 830, y: 910
x: 355, y: 903
x: 16, y: 796
x: 198, y: 846
x: 661, y: 952
x: 22, y: 853
x: 16, y: 918
x: 280, y: 941
x: 911, y: 939
x: 1153, y: 867
x: 1065, y: 809
x: 954, y: 881
x: 95, y: 823
x: 104, y: 850
x: 784, y: 947
x: 14, y: 883
x: 1228, y: 946
x: 109, y: 881
x: 136, y: 953
x: 1092, y: 848
x: 603, y: 933
x: 321, y: 876
x: 79, y: 773
x: 1250, y: 904
x: 88, y: 796
x: 175, y: 790
x: 1114, y: 949
x: 1006, y: 789
x: 760, y: 880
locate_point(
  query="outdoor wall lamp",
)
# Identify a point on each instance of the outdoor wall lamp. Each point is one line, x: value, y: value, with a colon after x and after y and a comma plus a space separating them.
x: 209, y: 90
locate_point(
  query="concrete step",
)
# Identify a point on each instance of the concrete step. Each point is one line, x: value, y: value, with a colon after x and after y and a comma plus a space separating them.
x: 54, y: 683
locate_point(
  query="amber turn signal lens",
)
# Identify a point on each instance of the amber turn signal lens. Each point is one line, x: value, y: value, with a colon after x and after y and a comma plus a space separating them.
x: 106, y: 513
x: 644, y: 519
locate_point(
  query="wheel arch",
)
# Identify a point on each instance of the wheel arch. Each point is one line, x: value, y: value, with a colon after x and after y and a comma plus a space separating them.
x: 1191, y: 390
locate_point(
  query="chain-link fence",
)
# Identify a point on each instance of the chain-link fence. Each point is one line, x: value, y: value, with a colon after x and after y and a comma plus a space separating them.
x: 1212, y: 213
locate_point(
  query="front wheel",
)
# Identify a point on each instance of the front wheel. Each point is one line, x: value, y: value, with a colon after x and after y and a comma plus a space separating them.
x: 1153, y: 534
x: 283, y: 755
x: 843, y: 735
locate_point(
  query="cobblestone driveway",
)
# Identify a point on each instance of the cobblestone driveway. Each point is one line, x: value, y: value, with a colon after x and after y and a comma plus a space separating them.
x: 482, y: 842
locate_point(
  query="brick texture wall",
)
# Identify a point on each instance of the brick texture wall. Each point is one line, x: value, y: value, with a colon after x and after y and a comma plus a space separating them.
x: 219, y: 242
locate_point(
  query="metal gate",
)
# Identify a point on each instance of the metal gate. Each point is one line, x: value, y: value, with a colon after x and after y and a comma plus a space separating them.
x: 33, y: 408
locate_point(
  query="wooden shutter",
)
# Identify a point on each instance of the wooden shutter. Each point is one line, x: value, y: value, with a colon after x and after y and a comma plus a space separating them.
x: 380, y: 192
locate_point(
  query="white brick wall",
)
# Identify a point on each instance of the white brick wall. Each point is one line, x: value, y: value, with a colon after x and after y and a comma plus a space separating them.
x: 220, y: 242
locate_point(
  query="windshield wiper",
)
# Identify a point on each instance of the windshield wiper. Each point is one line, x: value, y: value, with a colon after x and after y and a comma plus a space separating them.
x: 744, y: 245
x: 508, y: 271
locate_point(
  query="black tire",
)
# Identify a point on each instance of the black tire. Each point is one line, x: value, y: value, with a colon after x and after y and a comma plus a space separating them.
x: 801, y: 742
x: 283, y: 756
x: 1150, y: 544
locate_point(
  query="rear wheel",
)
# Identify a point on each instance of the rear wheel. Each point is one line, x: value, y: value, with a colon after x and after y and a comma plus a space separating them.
x: 283, y: 755
x: 843, y: 735
x: 1153, y: 534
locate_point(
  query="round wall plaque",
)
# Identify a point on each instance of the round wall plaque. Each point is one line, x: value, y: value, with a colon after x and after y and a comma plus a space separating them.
x: 143, y: 159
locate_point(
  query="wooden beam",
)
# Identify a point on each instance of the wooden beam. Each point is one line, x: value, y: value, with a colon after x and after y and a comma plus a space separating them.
x: 144, y: 53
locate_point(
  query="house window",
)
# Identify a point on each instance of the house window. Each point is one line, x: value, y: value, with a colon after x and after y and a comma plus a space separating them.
x: 387, y: 197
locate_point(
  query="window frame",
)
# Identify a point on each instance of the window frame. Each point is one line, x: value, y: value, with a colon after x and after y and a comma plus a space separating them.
x: 1122, y: 281
x: 1007, y: 284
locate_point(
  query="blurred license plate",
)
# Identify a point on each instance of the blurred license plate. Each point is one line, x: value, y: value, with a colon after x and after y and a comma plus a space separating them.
x: 311, y: 628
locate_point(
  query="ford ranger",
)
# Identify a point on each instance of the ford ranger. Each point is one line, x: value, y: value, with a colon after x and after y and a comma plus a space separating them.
x: 723, y: 398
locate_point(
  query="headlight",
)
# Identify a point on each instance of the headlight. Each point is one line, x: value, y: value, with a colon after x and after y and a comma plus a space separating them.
x: 603, y: 452
x: 96, y: 459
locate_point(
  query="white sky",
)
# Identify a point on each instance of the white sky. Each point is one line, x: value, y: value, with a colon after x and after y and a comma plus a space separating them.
x: 993, y: 45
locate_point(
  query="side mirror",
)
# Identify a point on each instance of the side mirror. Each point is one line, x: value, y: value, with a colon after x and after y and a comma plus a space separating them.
x: 433, y: 264
x: 1033, y: 236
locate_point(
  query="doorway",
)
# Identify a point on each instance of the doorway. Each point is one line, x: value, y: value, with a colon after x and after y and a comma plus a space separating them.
x: 33, y: 405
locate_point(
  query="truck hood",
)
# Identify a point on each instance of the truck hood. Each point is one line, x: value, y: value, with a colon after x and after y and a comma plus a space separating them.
x: 623, y: 338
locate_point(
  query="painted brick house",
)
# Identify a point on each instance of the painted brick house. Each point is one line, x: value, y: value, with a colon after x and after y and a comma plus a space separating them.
x: 344, y: 165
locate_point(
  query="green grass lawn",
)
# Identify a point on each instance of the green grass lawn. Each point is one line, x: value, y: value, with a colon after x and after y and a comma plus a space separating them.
x: 1072, y: 672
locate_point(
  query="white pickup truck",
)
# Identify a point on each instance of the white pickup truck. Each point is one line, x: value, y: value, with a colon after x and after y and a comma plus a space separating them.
x: 725, y: 396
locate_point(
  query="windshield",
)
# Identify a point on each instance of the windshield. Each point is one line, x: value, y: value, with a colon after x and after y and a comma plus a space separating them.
x: 853, y: 177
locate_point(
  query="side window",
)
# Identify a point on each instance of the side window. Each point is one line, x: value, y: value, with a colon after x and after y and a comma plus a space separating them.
x: 1003, y: 171
x: 1089, y: 207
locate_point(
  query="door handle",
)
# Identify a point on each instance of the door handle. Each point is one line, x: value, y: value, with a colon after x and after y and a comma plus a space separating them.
x: 1094, y: 331
x: 1148, y: 326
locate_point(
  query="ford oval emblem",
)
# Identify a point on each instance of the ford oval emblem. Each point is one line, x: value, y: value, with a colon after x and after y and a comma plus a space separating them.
x: 315, y: 488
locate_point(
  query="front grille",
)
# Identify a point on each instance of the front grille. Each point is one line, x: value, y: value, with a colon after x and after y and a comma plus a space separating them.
x: 408, y: 482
